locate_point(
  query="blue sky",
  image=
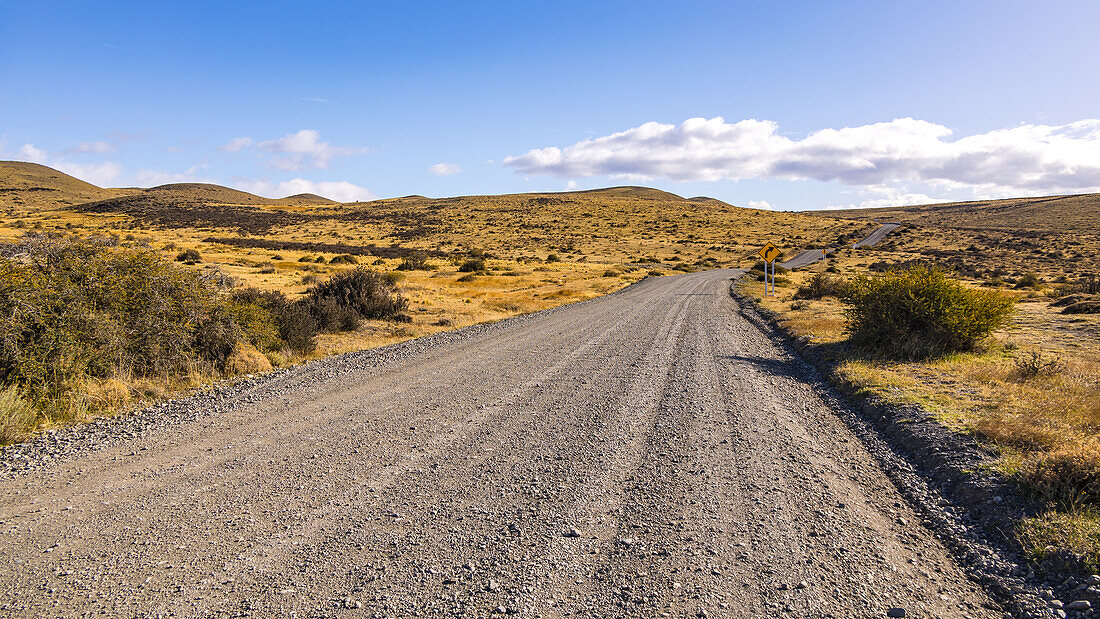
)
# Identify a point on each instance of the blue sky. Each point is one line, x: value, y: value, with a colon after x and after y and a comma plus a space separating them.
x: 797, y: 104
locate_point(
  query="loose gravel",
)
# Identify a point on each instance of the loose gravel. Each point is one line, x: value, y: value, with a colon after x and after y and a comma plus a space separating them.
x: 649, y: 453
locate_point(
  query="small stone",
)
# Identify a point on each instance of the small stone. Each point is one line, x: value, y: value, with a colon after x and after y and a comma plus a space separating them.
x: 802, y: 584
x: 1094, y: 579
x: 896, y: 611
x: 573, y: 532
x: 1079, y: 605
x: 493, y: 585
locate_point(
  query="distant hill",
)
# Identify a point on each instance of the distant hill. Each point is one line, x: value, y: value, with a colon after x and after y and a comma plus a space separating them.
x: 41, y: 187
x: 1055, y: 213
x: 307, y: 199
x: 33, y: 185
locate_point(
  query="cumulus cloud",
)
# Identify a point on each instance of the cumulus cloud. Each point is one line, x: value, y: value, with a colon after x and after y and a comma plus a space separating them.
x: 761, y: 204
x: 445, y: 169
x: 29, y: 152
x: 341, y: 191
x: 101, y: 174
x: 236, y: 145
x: 1024, y: 158
x: 152, y: 178
x: 304, y: 149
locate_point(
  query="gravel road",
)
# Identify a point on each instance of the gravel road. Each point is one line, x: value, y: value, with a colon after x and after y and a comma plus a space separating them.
x: 649, y: 453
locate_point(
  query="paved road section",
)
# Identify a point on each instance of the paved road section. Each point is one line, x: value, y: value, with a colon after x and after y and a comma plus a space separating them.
x: 876, y: 237
x: 649, y: 453
x: 804, y: 258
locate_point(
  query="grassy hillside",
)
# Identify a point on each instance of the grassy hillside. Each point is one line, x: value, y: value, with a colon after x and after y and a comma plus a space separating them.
x: 34, y: 186
x: 995, y: 241
x: 1047, y: 214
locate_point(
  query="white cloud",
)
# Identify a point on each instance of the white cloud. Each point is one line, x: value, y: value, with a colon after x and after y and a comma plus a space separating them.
x: 761, y: 204
x: 305, y: 149
x: 341, y: 191
x: 236, y: 145
x: 153, y: 178
x: 1025, y: 158
x: 571, y: 185
x: 445, y: 169
x: 101, y: 174
x: 97, y: 148
x: 33, y: 154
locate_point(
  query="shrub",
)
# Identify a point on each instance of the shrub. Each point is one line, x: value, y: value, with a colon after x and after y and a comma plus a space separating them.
x: 822, y: 285
x: 305, y: 259
x: 920, y: 313
x: 473, y: 265
x: 339, y: 302
x: 416, y: 262
x: 553, y: 258
x: 1035, y: 363
x: 271, y: 321
x: 189, y: 255
x: 344, y: 259
x: 1029, y: 280
x: 78, y: 313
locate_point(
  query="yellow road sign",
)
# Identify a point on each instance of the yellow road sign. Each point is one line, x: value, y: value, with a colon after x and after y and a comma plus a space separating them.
x: 769, y: 252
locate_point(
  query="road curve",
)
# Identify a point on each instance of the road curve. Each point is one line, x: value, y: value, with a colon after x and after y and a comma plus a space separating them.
x: 877, y: 235
x: 648, y: 453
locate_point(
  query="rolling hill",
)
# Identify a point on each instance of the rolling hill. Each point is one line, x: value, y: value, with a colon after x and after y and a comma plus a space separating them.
x: 1052, y: 213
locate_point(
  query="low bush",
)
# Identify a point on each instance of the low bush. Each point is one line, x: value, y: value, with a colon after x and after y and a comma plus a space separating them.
x: 473, y: 265
x: 339, y: 303
x: 344, y: 259
x: 415, y: 262
x: 822, y: 285
x: 921, y: 312
x: 189, y: 255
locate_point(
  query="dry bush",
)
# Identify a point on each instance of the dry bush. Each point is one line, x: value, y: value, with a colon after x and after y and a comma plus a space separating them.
x: 247, y: 360
x: 822, y: 285
x: 1036, y: 364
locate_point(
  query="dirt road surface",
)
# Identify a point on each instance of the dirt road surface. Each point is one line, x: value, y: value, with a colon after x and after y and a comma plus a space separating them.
x: 649, y: 453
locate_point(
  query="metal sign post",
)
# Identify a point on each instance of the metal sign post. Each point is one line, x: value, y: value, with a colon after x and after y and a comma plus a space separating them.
x: 769, y: 253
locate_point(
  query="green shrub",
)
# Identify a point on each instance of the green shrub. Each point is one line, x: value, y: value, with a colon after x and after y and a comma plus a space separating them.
x: 921, y: 312
x: 415, y: 262
x: 189, y: 255
x: 339, y: 302
x: 822, y: 285
x: 344, y: 259
x: 75, y: 309
x: 473, y: 265
x: 271, y: 321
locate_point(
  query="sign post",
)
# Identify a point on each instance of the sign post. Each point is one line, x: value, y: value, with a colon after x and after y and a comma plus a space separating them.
x: 769, y: 253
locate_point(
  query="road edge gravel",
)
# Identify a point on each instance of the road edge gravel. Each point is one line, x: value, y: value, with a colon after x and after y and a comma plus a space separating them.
x: 948, y: 479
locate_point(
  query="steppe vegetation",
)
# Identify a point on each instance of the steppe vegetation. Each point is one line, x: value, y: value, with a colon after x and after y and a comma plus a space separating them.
x: 1031, y: 389
x: 87, y: 325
